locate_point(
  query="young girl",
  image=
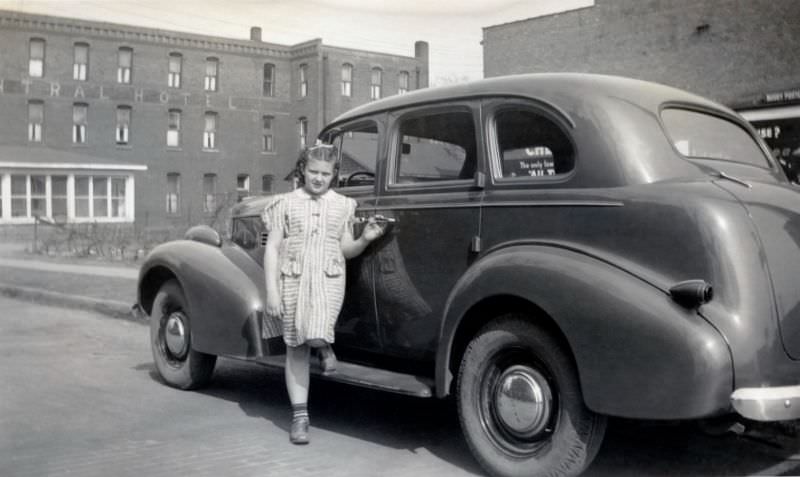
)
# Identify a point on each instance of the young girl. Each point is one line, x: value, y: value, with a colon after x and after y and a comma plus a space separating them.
x: 309, y: 238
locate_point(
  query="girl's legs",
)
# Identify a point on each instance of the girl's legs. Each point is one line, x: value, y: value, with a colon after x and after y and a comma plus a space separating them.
x: 297, y: 379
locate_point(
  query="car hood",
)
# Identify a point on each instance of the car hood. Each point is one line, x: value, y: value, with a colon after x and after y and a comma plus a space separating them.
x: 774, y: 209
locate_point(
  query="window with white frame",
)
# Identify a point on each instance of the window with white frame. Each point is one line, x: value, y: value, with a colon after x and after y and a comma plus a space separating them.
x: 402, y: 82
x: 173, y: 192
x: 80, y: 113
x: 124, y: 65
x: 269, y: 80
x: 80, y: 64
x: 174, y: 128
x: 209, y: 193
x: 347, y: 79
x: 36, y: 58
x: 38, y: 195
x: 210, y: 131
x: 19, y: 196
x: 302, y: 129
x: 100, y: 196
x: 35, y: 120
x: 212, y: 73
x: 267, y: 137
x: 303, y: 78
x: 123, y: 125
x: 174, y: 70
x: 376, y: 81
x: 117, y: 197
x: 83, y: 196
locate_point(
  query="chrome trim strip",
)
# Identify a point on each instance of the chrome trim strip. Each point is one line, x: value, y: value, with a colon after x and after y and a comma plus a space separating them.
x: 539, y: 203
x: 781, y: 403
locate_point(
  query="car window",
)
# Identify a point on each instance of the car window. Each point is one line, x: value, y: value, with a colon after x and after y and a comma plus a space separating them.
x: 358, y: 146
x: 704, y: 136
x: 436, y: 147
x: 247, y: 232
x: 531, y: 145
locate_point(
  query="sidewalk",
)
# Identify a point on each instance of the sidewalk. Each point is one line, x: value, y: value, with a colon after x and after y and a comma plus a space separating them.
x: 106, y: 288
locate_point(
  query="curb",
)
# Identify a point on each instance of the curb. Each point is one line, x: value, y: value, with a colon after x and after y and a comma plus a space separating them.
x: 111, y: 308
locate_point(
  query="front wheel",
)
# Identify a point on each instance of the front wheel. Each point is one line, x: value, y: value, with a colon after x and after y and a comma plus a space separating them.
x: 171, y: 341
x: 520, y: 403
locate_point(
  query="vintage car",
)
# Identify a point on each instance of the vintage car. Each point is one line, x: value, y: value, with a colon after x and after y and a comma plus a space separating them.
x: 565, y: 248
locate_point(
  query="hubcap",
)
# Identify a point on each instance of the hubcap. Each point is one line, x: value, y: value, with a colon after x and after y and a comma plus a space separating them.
x: 175, y: 334
x: 524, y: 401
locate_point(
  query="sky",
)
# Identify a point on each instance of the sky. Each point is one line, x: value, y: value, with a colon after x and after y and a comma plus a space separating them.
x: 453, y: 28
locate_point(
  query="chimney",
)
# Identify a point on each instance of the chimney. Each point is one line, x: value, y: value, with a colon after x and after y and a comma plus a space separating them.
x: 255, y: 33
x: 421, y: 54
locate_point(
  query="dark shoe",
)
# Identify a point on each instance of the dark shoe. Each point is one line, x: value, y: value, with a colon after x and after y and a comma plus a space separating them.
x: 328, y: 360
x: 299, y: 433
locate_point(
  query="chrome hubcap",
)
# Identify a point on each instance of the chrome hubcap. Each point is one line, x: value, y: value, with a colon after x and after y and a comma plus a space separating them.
x: 523, y: 402
x: 175, y: 334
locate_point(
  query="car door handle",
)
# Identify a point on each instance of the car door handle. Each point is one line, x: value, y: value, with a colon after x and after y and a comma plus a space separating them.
x: 378, y: 218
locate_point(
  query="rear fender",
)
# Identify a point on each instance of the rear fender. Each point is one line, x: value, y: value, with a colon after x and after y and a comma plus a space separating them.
x: 224, y: 290
x: 638, y: 354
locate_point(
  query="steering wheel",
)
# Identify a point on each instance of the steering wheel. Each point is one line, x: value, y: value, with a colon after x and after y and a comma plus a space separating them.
x: 366, y: 174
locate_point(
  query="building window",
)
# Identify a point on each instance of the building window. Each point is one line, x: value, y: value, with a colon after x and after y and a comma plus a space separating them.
x: 124, y: 65
x: 267, y: 142
x: 376, y: 80
x: 242, y: 185
x: 303, y: 80
x: 117, y: 197
x: 347, y: 80
x: 123, y: 124
x: 80, y: 113
x: 209, y: 193
x: 269, y: 79
x: 174, y: 70
x: 35, y: 120
x: 19, y: 196
x: 210, y: 131
x: 302, y: 129
x: 38, y: 196
x: 83, y: 196
x: 36, y: 58
x: 174, y: 128
x: 402, y: 82
x: 173, y: 192
x: 80, y: 64
x: 100, y: 196
x: 266, y: 183
x: 58, y: 197
x: 212, y: 70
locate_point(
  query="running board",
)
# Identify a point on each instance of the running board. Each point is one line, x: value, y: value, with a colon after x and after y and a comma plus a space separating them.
x: 364, y: 376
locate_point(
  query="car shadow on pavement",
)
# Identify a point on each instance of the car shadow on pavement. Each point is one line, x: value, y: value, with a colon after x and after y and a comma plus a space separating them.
x: 630, y: 448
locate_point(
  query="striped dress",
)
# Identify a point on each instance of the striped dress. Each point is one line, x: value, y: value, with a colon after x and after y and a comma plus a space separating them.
x: 312, y: 266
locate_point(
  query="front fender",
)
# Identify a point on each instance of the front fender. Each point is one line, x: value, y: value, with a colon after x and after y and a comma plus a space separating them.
x: 224, y: 290
x: 638, y: 354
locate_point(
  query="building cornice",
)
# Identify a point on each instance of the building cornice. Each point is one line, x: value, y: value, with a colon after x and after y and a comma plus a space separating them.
x: 126, y: 33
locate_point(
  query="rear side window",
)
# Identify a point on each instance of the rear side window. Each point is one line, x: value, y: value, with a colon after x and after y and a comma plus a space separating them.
x: 704, y: 136
x: 531, y: 145
x: 436, y: 147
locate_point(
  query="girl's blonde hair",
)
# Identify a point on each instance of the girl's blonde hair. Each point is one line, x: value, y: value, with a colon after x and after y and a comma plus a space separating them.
x: 319, y: 152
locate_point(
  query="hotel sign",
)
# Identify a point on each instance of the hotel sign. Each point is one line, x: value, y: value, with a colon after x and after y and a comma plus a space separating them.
x: 41, y: 89
x: 782, y: 96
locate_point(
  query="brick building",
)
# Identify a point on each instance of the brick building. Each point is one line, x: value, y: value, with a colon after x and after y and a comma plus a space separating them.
x: 113, y: 123
x: 738, y: 52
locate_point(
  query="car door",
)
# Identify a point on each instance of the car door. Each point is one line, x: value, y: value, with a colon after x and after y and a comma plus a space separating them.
x: 429, y: 189
x: 358, y: 145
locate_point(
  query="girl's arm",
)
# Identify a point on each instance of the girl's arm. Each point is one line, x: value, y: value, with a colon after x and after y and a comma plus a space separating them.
x: 272, y: 272
x: 353, y: 247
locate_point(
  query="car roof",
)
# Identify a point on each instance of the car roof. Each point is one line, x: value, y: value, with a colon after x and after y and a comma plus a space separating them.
x: 563, y: 90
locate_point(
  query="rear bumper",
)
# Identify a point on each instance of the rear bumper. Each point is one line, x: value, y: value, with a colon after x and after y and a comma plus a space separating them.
x: 768, y: 404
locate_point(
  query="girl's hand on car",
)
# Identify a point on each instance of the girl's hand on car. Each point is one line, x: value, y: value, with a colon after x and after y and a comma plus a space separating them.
x: 373, y: 229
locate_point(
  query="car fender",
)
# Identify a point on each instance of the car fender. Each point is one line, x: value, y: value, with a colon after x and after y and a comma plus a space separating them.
x: 638, y: 353
x: 224, y: 290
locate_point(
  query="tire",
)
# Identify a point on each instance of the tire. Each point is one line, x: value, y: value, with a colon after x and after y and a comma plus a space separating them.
x: 520, y: 403
x: 178, y: 364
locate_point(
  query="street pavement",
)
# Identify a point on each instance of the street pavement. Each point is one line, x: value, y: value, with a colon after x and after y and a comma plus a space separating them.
x: 80, y: 397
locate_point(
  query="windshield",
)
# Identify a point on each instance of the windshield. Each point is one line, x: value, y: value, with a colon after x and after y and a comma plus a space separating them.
x: 704, y: 136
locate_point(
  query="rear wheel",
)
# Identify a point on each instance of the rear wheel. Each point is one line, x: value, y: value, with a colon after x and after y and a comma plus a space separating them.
x: 520, y: 403
x: 171, y: 341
